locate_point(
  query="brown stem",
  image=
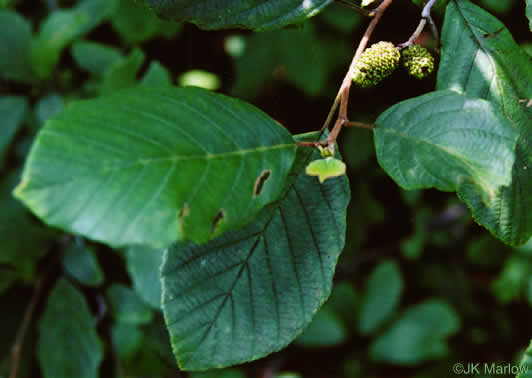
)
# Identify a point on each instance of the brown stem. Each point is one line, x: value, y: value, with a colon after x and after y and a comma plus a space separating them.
x: 358, y: 124
x: 342, y: 98
x: 16, y: 350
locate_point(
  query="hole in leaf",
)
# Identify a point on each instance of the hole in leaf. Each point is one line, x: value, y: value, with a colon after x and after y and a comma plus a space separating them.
x: 218, y: 220
x: 261, y: 180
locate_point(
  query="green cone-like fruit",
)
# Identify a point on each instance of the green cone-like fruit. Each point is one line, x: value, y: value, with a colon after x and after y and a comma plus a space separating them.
x: 376, y: 63
x: 417, y: 61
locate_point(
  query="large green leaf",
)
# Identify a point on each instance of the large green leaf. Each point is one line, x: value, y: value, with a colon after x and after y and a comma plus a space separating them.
x: 449, y: 141
x: 481, y: 59
x: 61, y: 27
x: 248, y: 14
x: 68, y: 343
x: 139, y: 166
x: 250, y: 292
x: 15, y: 44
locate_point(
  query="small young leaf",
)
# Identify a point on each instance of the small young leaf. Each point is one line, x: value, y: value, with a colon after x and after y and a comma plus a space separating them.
x: 149, y: 165
x: 326, y: 168
x: 15, y: 45
x: 383, y: 293
x: 481, y: 59
x: 126, y: 306
x: 156, y: 75
x: 68, y: 343
x: 48, y: 107
x: 326, y: 329
x: 12, y: 112
x: 81, y: 263
x: 250, y: 292
x: 95, y: 58
x: 418, y: 335
x: 248, y: 14
x: 127, y: 339
x: 122, y: 74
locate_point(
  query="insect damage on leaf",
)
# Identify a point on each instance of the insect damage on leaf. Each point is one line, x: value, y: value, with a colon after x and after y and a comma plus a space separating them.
x: 218, y: 219
x: 261, y: 180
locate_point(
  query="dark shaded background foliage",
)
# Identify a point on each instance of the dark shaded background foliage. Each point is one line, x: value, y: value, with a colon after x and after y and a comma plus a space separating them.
x: 440, y: 251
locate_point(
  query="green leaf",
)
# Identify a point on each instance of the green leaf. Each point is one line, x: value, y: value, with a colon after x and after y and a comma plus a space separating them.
x: 383, y: 293
x: 136, y: 23
x: 61, y: 28
x: 250, y: 292
x: 48, y: 107
x: 418, y: 335
x: 297, y: 55
x: 481, y: 59
x: 525, y: 368
x: 247, y: 14
x: 143, y: 265
x: 156, y: 75
x: 137, y: 167
x: 123, y: 74
x: 15, y: 45
x: 95, y: 58
x: 126, y: 306
x: 326, y: 168
x: 127, y: 339
x: 68, y: 344
x: 326, y: 329
x: 12, y: 112
x: 510, y: 285
x: 81, y: 263
x: 451, y: 142
x: 19, y: 233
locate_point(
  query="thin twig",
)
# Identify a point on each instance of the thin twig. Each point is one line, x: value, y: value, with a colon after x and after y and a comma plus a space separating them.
x: 342, y: 98
x: 425, y: 17
x: 16, y: 350
x: 358, y: 124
